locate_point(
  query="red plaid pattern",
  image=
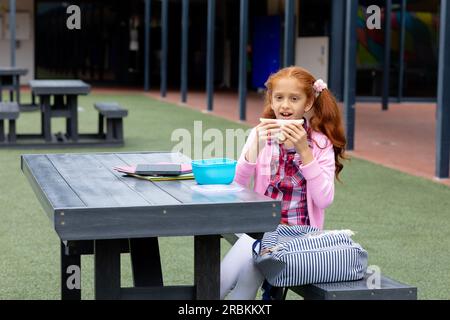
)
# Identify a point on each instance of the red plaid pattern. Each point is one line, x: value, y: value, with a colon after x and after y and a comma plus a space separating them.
x: 289, y: 186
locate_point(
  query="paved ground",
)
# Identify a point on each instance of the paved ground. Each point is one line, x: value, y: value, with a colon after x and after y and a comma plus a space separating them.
x: 402, y: 138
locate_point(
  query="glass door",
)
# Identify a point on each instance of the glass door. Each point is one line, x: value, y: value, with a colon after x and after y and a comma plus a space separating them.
x: 421, y: 48
x: 414, y: 59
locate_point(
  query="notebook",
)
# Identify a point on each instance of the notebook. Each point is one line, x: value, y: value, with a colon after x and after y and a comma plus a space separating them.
x: 171, y: 169
x: 156, y: 169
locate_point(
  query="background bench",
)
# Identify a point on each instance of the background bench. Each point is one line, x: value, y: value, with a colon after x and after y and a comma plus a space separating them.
x: 113, y: 113
x: 8, y: 111
x: 348, y: 290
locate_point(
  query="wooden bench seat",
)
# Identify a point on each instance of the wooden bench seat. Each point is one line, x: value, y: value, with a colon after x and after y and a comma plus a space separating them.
x: 388, y: 289
x: 113, y: 113
x: 8, y: 111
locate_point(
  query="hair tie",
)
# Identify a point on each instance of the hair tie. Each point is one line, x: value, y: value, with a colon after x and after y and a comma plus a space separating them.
x: 319, y: 85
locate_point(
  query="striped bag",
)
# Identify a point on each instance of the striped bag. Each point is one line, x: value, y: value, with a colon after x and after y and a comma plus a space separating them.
x: 298, y: 255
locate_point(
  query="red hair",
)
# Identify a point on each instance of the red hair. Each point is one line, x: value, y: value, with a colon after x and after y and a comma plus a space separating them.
x: 327, y: 117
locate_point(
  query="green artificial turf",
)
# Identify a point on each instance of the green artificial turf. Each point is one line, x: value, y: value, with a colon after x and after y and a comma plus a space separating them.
x: 403, y: 221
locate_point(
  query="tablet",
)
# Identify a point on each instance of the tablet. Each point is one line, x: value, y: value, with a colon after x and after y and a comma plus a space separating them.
x: 159, y: 169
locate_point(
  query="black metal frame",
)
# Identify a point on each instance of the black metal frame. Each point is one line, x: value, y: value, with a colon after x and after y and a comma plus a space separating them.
x: 387, y: 54
x: 443, y: 95
x: 148, y: 6
x: 164, y: 45
x: 350, y: 72
x: 210, y: 54
x: 184, y: 50
x: 243, y: 39
x: 289, y: 30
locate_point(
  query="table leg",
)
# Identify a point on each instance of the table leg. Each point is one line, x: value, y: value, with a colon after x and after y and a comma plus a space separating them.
x: 68, y: 127
x: 2, y: 130
x: 207, y: 267
x: 17, y: 87
x: 107, y: 269
x: 70, y: 275
x: 146, y: 262
x: 118, y: 129
x: 109, y: 129
x: 46, y: 117
x: 12, y: 130
x: 101, y: 123
x: 42, y: 121
x: 72, y: 103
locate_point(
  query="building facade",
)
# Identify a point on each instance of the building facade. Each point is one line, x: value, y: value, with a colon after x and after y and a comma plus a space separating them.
x: 109, y: 48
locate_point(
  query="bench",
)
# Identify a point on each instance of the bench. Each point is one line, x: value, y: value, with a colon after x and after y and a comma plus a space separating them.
x: 113, y: 113
x: 8, y: 111
x: 389, y: 289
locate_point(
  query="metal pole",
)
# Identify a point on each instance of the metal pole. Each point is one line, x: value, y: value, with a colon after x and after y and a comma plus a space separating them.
x: 337, y: 48
x: 164, y: 45
x: 243, y: 35
x: 12, y: 30
x: 210, y: 54
x: 401, y: 61
x: 387, y: 54
x: 443, y: 95
x: 148, y: 4
x: 184, y: 50
x: 289, y: 39
x: 350, y: 71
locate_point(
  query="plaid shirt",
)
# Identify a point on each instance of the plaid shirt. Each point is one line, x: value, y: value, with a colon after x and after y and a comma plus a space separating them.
x: 289, y: 185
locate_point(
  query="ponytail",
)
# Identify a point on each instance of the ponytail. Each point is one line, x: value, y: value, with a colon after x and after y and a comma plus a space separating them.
x: 327, y: 119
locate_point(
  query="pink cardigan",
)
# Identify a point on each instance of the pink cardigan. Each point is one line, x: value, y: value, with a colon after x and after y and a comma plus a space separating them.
x: 319, y: 174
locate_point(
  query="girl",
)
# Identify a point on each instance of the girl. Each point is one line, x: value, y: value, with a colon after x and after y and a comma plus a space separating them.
x: 299, y: 171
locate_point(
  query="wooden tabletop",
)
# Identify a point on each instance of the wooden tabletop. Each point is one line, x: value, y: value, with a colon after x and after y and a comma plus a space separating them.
x: 10, y: 71
x: 87, y: 200
x: 50, y: 87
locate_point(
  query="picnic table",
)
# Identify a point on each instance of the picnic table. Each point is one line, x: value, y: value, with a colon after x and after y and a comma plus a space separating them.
x: 65, y: 103
x: 10, y: 80
x: 96, y: 210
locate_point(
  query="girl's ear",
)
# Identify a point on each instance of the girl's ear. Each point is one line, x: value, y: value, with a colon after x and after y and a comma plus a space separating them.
x: 308, y: 107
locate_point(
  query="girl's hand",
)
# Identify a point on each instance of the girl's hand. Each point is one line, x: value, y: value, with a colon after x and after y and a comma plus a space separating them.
x: 264, y: 132
x: 296, y: 134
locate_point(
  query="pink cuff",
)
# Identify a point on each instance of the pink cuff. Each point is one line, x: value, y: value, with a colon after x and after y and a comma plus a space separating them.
x: 311, y: 170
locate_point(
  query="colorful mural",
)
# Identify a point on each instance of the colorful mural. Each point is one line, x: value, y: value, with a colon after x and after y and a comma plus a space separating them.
x: 421, y: 39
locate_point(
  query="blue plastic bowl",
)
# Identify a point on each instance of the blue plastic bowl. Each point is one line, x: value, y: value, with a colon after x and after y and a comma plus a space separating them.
x: 214, y: 171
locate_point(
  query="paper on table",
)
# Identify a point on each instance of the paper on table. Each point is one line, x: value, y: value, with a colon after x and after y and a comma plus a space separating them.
x: 187, y: 176
x: 126, y: 169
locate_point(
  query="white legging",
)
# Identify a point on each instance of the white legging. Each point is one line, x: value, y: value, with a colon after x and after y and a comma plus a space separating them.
x: 238, y: 273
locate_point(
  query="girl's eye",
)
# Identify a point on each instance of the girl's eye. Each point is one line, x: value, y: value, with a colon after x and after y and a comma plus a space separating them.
x: 278, y: 98
x: 295, y: 99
